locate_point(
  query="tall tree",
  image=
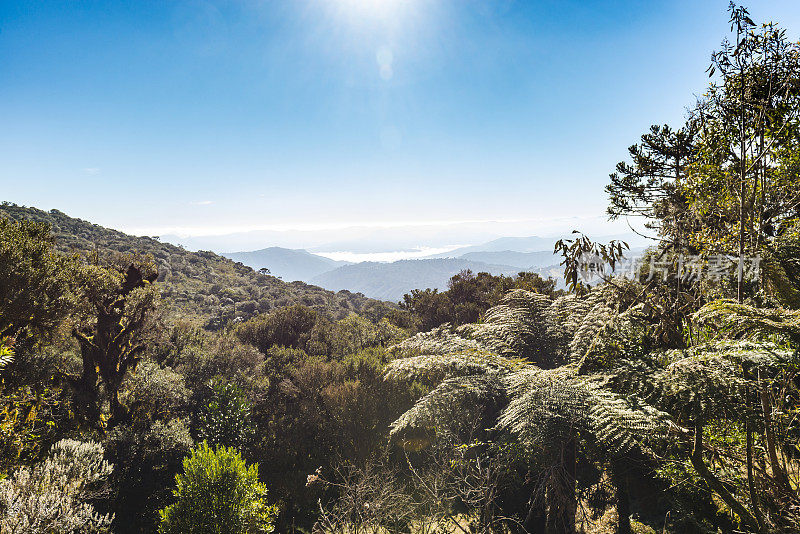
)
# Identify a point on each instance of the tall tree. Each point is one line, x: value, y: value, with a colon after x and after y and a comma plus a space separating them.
x: 118, y: 305
x: 747, y: 124
x: 648, y: 186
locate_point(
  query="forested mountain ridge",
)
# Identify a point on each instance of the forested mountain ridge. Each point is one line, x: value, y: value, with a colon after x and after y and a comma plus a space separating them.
x: 199, y: 284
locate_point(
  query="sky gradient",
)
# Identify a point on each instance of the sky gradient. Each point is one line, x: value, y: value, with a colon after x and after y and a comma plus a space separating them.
x: 311, y: 116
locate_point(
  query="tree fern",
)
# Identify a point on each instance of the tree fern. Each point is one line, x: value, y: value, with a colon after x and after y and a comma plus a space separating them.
x: 618, y: 393
x: 444, y: 339
x: 544, y: 405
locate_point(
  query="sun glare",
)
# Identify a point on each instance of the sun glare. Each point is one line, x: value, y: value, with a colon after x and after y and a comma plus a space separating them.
x: 385, y: 10
x: 372, y: 6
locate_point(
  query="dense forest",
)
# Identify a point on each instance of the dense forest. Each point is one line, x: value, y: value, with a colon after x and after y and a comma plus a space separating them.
x: 146, y: 388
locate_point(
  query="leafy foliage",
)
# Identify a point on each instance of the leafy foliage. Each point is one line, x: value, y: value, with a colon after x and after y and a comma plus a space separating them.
x: 218, y: 493
x: 226, y: 418
x: 34, y: 282
x: 468, y: 297
x: 147, y: 456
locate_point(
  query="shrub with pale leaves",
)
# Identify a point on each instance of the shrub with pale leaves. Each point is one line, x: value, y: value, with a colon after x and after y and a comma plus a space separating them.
x: 52, y: 496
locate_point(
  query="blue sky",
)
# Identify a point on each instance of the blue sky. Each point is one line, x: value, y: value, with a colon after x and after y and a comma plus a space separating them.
x: 211, y: 117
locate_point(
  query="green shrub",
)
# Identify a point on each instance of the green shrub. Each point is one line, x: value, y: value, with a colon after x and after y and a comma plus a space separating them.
x: 218, y: 493
x: 225, y: 418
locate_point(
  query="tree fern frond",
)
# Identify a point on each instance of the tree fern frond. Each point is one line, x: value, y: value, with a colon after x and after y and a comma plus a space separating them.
x: 520, y: 326
x: 6, y: 353
x: 708, y: 381
x: 740, y: 320
x: 433, y: 368
x: 546, y: 407
x: 623, y: 337
x: 443, y: 339
x: 622, y: 423
x: 454, y: 401
x: 588, y: 328
x: 570, y: 310
x: 750, y: 354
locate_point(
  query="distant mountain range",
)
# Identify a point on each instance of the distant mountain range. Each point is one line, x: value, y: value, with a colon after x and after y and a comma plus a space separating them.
x: 390, y: 281
x: 504, y: 244
x: 287, y: 264
x: 520, y: 260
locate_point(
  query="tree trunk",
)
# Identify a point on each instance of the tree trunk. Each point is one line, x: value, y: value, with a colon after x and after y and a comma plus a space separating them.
x: 536, y: 520
x: 751, y: 486
x: 769, y: 438
x: 119, y: 413
x: 562, y: 504
x: 716, y: 485
x: 620, y: 480
x: 742, y: 232
x: 85, y: 394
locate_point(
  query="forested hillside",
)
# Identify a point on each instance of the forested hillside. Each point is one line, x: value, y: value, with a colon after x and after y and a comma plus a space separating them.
x: 200, y: 284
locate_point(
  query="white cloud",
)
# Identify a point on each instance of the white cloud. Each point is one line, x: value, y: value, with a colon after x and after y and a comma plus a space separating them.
x: 420, y: 252
x: 91, y: 170
x: 202, y: 203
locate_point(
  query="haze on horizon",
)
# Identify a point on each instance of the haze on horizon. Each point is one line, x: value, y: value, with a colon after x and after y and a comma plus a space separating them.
x: 389, y: 124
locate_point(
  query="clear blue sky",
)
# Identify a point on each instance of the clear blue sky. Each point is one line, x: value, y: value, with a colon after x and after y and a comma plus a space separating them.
x: 230, y: 115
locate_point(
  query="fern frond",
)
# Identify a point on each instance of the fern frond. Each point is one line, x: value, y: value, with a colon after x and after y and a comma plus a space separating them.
x: 6, y: 353
x: 622, y: 423
x: 588, y: 328
x: 443, y: 339
x: 570, y: 310
x: 433, y: 368
x: 521, y: 326
x: 736, y: 320
x: 710, y: 381
x: 455, y: 401
x: 546, y: 407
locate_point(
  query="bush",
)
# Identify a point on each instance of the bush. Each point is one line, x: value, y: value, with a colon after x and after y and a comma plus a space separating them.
x: 51, y: 496
x: 218, y: 493
x: 147, y: 456
x: 285, y: 327
x: 153, y: 391
x: 225, y: 418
